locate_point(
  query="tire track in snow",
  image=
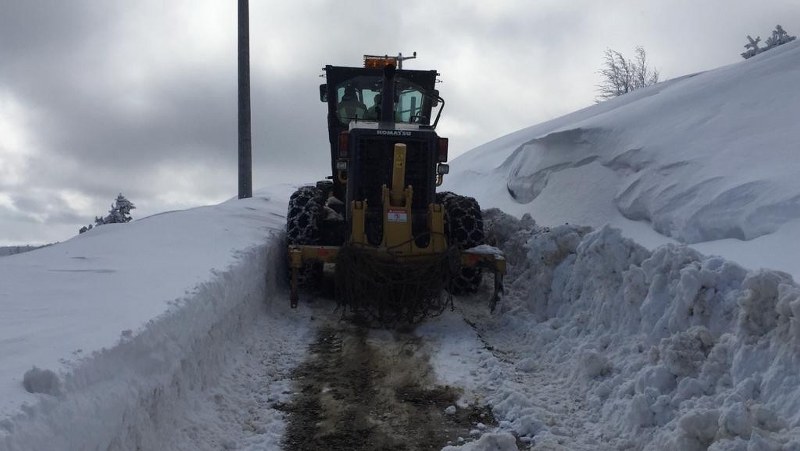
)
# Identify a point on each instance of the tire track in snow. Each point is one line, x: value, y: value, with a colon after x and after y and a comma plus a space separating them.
x: 373, y: 390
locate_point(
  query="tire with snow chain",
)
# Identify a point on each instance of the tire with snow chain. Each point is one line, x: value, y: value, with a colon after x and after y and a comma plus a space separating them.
x: 304, y: 217
x: 463, y: 226
x: 303, y: 227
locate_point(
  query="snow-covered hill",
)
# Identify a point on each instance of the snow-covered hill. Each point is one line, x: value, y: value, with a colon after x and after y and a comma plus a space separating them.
x: 11, y: 250
x: 174, y: 332
x: 708, y: 159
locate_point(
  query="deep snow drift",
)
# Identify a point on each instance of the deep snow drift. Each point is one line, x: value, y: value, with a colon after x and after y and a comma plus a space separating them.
x: 709, y: 159
x: 605, y: 344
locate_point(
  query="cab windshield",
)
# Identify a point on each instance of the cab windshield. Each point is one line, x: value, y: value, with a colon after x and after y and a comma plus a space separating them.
x: 360, y: 98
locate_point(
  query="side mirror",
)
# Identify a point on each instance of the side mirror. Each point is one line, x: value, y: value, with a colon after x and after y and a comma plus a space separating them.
x: 323, y: 92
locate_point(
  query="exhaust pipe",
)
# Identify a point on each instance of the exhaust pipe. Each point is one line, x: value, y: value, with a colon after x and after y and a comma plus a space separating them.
x: 387, y: 94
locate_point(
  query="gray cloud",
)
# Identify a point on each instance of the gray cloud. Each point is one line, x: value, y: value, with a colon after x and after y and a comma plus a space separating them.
x: 103, y: 97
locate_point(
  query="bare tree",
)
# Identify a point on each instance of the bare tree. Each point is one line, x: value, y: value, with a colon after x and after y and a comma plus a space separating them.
x: 622, y: 75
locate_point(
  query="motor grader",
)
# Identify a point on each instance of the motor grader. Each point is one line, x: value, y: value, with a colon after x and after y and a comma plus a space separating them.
x: 377, y: 223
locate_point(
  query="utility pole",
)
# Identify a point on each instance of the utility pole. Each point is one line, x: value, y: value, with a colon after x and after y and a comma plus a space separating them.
x: 245, y: 141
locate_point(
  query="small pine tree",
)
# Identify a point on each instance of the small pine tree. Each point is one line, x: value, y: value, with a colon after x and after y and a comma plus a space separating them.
x: 120, y: 212
x: 752, y: 47
x: 779, y: 37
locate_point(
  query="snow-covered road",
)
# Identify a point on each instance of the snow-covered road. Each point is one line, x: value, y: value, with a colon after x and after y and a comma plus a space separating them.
x: 599, y: 343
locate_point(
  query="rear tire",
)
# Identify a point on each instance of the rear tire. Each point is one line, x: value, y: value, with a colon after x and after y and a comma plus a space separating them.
x: 463, y: 226
x: 303, y: 227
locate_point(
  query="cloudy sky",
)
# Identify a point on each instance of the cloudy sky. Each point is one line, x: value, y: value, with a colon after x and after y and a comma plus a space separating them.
x: 99, y: 97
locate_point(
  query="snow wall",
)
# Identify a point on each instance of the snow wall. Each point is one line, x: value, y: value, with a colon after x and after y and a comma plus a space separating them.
x: 671, y: 349
x: 125, y: 397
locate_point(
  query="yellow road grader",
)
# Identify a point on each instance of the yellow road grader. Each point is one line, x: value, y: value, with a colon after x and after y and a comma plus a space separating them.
x: 377, y: 223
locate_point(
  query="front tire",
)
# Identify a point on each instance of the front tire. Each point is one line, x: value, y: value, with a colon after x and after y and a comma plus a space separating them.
x: 303, y: 220
x: 463, y: 226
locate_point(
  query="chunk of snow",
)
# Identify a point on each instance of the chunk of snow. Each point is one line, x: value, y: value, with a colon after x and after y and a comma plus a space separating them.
x: 502, y: 441
x: 485, y: 249
x: 37, y: 380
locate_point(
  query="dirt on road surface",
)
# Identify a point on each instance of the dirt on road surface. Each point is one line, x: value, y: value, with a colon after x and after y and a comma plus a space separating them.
x: 373, y: 390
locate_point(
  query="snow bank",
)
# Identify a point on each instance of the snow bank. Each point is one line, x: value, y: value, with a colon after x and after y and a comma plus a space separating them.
x: 668, y: 349
x: 125, y: 396
x: 132, y: 393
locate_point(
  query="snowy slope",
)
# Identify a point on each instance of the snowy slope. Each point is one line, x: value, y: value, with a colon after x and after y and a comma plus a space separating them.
x: 124, y: 321
x: 605, y: 344
x: 708, y: 159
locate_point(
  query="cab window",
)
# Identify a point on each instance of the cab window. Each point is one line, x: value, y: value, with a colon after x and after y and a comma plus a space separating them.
x: 359, y: 98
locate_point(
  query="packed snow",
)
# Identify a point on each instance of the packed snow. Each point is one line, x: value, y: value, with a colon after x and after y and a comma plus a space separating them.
x: 649, y: 303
